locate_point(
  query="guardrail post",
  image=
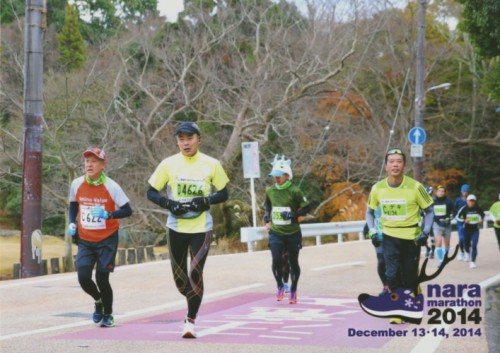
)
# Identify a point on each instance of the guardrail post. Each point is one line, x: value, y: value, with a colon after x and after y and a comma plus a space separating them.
x: 340, y: 238
x: 140, y: 254
x: 318, y: 240
x: 54, y: 265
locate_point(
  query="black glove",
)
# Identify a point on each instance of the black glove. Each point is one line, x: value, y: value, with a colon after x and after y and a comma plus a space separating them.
x: 422, y: 239
x: 376, y: 241
x: 286, y: 215
x: 176, y: 207
x: 199, y: 204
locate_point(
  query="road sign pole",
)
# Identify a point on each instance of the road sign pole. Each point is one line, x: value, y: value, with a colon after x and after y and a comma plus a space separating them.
x: 418, y: 162
x: 254, y: 209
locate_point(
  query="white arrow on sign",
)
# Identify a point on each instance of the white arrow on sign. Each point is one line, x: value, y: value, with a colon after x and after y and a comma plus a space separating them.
x: 417, y: 136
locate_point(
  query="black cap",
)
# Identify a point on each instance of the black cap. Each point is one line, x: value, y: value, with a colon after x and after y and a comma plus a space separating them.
x: 187, y: 127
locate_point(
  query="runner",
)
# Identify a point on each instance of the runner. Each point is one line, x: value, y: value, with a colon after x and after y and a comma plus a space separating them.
x: 471, y: 216
x: 495, y: 217
x: 189, y: 177
x: 443, y: 213
x: 430, y: 249
x: 96, y: 202
x: 284, y: 203
x: 460, y: 202
x: 401, y: 199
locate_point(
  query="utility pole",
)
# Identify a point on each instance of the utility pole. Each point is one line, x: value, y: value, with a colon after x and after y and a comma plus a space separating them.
x: 31, y: 235
x: 418, y: 162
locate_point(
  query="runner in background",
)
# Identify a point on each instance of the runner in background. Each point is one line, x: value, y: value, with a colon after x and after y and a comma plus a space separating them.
x: 430, y: 249
x: 189, y: 178
x: 471, y: 216
x: 96, y: 202
x: 284, y: 204
x: 443, y: 213
x: 495, y: 217
x: 460, y: 202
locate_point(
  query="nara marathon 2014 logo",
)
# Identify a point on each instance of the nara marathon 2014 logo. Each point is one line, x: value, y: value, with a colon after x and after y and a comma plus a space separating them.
x: 446, y: 303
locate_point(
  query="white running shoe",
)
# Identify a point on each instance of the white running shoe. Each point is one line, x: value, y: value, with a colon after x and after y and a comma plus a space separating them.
x: 188, y: 331
x: 472, y: 264
x: 461, y: 256
x: 466, y: 257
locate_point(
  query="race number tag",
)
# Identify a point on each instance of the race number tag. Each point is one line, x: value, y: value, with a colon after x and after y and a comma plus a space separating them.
x: 473, y: 218
x: 440, y: 210
x: 394, y: 210
x: 276, y: 216
x: 187, y: 188
x: 90, y: 222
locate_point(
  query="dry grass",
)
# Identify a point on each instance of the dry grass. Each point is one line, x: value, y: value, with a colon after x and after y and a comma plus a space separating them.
x: 52, y: 247
x: 10, y: 252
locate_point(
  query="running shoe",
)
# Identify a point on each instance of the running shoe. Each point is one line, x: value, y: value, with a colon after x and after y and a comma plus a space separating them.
x: 280, y: 294
x: 293, y: 297
x: 466, y: 257
x: 461, y: 256
x: 400, y: 303
x: 472, y: 264
x: 107, y: 321
x: 188, y: 331
x: 287, y: 288
x: 98, y: 312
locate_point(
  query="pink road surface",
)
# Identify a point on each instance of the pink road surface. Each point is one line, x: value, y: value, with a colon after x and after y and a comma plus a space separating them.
x: 257, y: 319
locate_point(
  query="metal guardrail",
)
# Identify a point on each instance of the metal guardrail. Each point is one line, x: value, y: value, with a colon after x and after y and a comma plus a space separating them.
x: 250, y: 235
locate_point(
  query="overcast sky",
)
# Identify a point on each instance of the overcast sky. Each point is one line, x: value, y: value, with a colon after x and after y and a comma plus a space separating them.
x: 170, y: 8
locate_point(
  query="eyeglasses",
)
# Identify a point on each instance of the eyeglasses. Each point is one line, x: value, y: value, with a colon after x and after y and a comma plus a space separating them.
x: 395, y: 151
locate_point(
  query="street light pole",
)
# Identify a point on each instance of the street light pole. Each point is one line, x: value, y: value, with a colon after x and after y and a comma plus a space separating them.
x: 418, y: 162
x: 31, y: 235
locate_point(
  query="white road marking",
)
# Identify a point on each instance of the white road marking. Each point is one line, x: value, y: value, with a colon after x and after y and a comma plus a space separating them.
x: 343, y: 264
x: 132, y: 313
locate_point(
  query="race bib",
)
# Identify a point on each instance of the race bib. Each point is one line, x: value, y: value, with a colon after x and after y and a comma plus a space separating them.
x: 473, y: 218
x: 276, y: 216
x: 394, y: 210
x: 439, y: 210
x: 88, y: 221
x: 188, y: 188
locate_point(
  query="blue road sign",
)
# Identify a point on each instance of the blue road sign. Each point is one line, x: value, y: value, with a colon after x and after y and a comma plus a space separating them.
x: 417, y: 136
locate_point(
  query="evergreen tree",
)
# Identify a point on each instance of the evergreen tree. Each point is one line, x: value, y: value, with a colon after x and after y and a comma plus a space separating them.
x: 70, y: 41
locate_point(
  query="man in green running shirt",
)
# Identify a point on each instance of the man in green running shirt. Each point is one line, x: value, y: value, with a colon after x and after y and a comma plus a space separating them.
x: 401, y: 200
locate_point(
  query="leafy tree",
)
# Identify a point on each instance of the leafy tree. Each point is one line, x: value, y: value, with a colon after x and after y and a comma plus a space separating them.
x: 481, y: 19
x: 70, y: 41
x: 11, y: 9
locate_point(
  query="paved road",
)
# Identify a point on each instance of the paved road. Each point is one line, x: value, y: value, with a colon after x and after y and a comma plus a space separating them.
x: 239, y: 314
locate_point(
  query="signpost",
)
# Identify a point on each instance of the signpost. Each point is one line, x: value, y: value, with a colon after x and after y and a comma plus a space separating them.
x: 251, y: 169
x: 417, y: 137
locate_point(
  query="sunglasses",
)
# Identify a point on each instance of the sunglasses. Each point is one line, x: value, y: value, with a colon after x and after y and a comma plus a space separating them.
x: 395, y: 151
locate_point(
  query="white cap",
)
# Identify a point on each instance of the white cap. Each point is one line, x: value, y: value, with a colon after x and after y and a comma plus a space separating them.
x: 471, y: 197
x: 281, y: 167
